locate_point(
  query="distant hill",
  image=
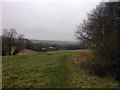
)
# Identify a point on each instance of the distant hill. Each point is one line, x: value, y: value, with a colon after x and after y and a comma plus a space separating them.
x: 54, y: 42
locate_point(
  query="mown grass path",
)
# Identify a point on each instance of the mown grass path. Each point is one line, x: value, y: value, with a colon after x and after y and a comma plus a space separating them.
x: 49, y: 70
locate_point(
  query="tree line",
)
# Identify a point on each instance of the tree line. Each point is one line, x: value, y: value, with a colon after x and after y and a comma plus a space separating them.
x: 13, y: 43
x: 101, y: 33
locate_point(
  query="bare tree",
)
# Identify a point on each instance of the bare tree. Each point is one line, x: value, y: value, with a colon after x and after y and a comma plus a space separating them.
x: 101, y: 31
x: 9, y: 38
x: 19, y: 44
x: 12, y: 42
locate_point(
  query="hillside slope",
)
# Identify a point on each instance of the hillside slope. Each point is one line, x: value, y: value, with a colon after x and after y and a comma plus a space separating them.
x: 49, y: 70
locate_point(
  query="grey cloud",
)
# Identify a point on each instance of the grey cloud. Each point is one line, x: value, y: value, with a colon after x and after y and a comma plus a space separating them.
x: 45, y: 20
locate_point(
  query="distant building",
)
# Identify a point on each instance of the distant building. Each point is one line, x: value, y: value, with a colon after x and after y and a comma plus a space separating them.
x: 51, y: 48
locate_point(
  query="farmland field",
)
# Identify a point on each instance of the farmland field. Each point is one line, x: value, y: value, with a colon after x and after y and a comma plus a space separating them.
x: 55, y: 69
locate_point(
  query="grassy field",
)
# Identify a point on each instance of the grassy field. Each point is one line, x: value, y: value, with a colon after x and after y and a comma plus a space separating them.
x: 49, y: 70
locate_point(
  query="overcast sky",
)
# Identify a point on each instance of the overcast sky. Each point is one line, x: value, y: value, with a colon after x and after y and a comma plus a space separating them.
x: 45, y: 19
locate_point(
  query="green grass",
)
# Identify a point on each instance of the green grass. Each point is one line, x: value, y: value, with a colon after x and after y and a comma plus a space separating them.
x: 49, y: 70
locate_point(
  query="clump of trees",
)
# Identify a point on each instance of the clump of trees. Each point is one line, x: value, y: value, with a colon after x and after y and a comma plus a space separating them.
x: 12, y: 42
x: 101, y: 32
